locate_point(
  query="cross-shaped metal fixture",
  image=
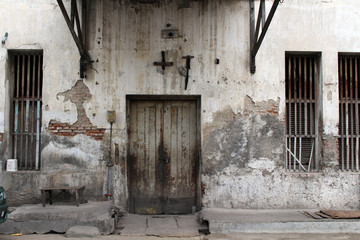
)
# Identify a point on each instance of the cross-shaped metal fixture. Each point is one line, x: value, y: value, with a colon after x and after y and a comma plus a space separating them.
x: 163, y: 63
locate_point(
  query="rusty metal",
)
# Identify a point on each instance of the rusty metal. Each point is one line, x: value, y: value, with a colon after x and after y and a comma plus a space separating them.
x: 26, y: 108
x: 301, y: 122
x: 349, y: 112
x: 188, y: 59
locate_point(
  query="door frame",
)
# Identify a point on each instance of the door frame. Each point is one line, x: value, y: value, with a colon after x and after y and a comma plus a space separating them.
x: 197, y: 98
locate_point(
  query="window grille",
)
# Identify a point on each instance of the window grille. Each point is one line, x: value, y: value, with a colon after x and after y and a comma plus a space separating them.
x: 349, y: 66
x: 26, y: 108
x: 301, y: 118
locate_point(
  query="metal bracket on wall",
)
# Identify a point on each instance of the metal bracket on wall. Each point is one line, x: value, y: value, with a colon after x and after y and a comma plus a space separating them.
x: 80, y: 36
x: 255, y: 40
x: 188, y: 58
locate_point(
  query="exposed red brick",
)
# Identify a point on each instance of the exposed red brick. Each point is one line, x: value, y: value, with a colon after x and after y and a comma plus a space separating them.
x: 64, y: 129
x: 1, y: 137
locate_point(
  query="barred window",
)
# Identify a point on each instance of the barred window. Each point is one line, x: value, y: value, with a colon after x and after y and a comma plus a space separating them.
x: 26, y: 107
x: 349, y: 66
x: 301, y: 82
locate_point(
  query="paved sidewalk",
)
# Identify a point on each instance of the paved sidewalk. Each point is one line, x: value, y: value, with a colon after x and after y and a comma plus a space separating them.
x: 242, y: 236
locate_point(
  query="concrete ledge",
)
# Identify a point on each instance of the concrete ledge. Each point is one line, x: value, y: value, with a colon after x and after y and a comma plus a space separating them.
x: 286, y: 227
x: 59, y: 218
x: 273, y: 221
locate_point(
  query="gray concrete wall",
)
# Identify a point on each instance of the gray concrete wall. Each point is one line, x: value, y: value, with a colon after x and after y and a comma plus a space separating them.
x: 242, y: 114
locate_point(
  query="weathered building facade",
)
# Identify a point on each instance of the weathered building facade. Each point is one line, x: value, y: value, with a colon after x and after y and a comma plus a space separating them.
x: 285, y: 136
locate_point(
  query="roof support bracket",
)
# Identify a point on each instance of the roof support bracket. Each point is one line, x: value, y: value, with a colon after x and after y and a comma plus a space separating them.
x: 79, y: 35
x: 255, y: 40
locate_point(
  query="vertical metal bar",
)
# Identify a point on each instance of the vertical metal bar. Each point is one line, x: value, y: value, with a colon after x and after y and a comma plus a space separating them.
x: 347, y: 114
x: 16, y: 130
x: 351, y: 113
x: 300, y: 108
x: 21, y: 130
x: 311, y: 96
x: 263, y: 14
x: 356, y: 118
x: 252, y: 36
x: 84, y: 14
x: 300, y: 95
x: 38, y: 115
x: 341, y: 124
x: 37, y: 155
x: 297, y: 84
x: 290, y: 103
x: 33, y: 114
x: 305, y: 98
x: 295, y: 156
x: 27, y: 114
x: 16, y: 114
x: 316, y: 117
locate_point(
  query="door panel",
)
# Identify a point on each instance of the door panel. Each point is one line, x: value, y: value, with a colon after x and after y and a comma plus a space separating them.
x: 180, y: 146
x: 162, y: 156
x: 145, y: 166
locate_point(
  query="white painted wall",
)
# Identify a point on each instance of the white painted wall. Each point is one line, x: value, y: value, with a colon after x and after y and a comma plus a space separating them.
x: 124, y: 39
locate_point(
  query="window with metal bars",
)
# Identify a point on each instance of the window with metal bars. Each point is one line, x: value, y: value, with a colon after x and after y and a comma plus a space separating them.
x: 349, y: 67
x: 26, y: 107
x: 301, y: 83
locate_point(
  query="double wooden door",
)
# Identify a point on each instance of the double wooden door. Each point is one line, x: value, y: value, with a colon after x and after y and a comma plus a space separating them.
x: 162, y: 156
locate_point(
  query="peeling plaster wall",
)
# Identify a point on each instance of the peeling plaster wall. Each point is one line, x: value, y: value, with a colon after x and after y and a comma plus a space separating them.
x: 242, y: 115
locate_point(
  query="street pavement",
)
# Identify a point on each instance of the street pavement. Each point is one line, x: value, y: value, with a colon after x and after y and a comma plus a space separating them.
x: 239, y: 236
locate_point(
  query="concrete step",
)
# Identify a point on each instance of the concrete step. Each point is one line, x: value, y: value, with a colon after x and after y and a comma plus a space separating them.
x: 28, y: 219
x: 160, y: 225
x: 273, y: 221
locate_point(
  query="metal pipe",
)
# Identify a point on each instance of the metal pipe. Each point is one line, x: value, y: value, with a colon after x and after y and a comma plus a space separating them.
x: 109, y: 164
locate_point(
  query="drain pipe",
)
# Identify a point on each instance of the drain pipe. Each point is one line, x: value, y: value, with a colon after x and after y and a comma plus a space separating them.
x: 111, y: 119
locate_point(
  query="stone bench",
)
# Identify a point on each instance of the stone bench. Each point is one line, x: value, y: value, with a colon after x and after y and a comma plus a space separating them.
x: 78, y: 193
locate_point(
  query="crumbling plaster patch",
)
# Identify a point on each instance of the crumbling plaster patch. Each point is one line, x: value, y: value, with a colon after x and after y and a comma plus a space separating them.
x: 78, y: 152
x: 78, y: 95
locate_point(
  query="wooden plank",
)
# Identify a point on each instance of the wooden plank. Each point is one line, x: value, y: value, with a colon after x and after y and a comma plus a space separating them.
x: 181, y: 136
x: 312, y: 215
x: 322, y: 215
x: 342, y: 214
x: 144, y: 169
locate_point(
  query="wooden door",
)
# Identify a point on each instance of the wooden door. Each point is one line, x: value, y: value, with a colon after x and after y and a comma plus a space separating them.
x: 162, y: 156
